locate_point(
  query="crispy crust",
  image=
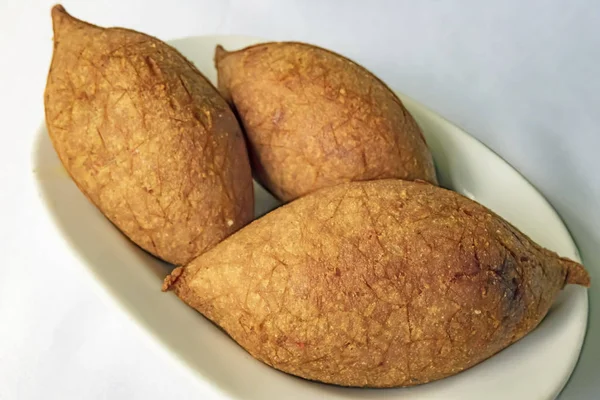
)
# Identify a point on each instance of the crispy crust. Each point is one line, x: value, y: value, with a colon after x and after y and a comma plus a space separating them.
x: 146, y: 138
x: 382, y: 283
x: 315, y: 119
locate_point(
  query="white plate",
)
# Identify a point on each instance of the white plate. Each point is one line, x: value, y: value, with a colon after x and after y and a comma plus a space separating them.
x: 537, y: 367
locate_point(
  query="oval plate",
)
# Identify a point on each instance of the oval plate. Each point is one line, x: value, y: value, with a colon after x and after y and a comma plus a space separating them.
x: 537, y: 367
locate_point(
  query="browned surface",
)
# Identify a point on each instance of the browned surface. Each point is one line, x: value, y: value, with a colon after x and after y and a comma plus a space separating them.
x: 146, y: 138
x: 381, y: 283
x: 315, y: 119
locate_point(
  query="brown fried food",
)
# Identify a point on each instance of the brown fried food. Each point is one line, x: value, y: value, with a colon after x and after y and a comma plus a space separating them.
x: 381, y: 283
x: 315, y: 119
x: 146, y: 138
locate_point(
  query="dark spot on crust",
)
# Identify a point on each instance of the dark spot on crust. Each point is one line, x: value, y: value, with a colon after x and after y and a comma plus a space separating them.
x: 517, y: 290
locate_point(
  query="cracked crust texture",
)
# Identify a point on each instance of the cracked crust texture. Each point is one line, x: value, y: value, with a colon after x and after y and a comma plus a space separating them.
x: 382, y: 283
x: 146, y: 138
x: 315, y: 119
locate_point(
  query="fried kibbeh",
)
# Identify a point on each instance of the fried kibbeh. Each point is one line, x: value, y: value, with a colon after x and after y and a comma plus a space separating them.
x: 376, y: 284
x: 146, y: 138
x: 315, y: 119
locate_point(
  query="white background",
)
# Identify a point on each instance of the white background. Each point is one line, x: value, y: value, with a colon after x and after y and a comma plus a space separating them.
x: 519, y: 75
